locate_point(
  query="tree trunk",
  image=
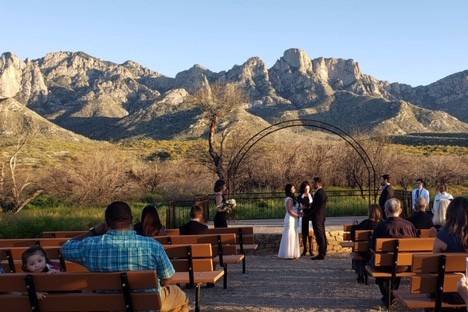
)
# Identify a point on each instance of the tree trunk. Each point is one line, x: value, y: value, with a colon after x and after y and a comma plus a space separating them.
x: 217, y: 159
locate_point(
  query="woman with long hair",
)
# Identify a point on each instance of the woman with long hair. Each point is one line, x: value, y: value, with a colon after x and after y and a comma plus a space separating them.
x: 441, y: 202
x: 220, y: 217
x: 150, y: 223
x: 305, y: 200
x: 289, y: 246
x: 453, y: 236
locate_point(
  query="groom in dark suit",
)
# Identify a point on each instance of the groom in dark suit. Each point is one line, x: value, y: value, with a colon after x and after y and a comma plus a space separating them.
x: 319, y: 207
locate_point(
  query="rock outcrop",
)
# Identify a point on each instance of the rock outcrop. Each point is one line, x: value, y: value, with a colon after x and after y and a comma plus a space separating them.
x: 105, y: 100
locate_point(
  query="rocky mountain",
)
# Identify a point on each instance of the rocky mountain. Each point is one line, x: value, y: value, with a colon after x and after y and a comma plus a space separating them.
x: 104, y: 100
x: 17, y: 120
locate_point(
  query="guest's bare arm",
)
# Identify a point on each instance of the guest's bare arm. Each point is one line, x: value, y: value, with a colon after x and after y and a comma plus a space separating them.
x: 439, y: 246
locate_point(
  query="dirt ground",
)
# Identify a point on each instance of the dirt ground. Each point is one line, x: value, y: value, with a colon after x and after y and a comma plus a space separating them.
x: 273, y: 284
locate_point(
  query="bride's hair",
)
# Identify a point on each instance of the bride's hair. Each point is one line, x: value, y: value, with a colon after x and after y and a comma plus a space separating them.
x: 303, y: 187
x: 288, y: 191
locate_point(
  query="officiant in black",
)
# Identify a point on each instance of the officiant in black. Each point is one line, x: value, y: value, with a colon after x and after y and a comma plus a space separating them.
x: 319, y: 211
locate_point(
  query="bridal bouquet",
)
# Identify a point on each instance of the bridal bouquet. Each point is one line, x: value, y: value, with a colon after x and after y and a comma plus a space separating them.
x: 230, y: 205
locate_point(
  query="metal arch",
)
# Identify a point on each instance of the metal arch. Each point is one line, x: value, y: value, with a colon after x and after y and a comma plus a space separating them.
x: 251, y: 142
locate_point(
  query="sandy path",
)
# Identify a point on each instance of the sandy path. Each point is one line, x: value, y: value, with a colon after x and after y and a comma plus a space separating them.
x: 273, y: 284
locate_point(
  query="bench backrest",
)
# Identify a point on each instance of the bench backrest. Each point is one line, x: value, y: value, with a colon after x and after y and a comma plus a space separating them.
x: 428, y: 266
x: 399, y: 252
x: 70, y: 234
x: 246, y: 233
x: 436, y: 274
x: 79, y: 291
x: 361, y: 240
x: 347, y: 232
x: 26, y: 242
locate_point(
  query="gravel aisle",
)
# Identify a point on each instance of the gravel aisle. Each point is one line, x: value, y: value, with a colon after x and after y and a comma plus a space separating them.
x: 273, y: 284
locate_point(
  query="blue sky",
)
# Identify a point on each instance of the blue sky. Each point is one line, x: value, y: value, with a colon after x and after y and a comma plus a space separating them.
x: 412, y: 41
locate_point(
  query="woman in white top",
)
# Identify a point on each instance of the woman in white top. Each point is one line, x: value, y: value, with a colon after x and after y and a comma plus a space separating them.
x: 289, y: 246
x: 441, y: 201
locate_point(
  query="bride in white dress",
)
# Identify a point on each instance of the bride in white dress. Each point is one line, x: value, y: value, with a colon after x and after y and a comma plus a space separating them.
x: 289, y: 246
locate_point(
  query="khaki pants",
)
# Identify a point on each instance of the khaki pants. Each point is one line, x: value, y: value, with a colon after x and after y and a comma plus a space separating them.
x: 173, y: 299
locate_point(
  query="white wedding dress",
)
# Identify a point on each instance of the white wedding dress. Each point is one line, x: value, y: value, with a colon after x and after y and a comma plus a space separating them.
x: 289, y: 246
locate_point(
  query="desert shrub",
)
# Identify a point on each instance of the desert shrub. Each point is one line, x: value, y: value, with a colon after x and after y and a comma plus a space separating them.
x: 96, y: 178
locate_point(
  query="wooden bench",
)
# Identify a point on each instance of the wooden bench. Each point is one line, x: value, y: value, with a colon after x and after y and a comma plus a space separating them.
x: 245, y: 236
x: 223, y: 248
x: 425, y: 233
x: 361, y: 243
x: 347, y: 239
x: 70, y: 234
x: 27, y: 242
x: 194, y: 267
x: 434, y: 277
x: 10, y: 259
x: 391, y: 253
x: 193, y: 263
x: 79, y: 292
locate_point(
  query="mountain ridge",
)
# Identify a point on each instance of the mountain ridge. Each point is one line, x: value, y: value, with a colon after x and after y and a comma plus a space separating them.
x: 106, y: 100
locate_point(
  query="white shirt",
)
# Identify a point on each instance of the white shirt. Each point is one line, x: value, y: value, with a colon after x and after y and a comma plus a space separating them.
x: 422, y: 193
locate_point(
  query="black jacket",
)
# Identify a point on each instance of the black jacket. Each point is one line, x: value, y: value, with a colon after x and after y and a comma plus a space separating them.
x: 193, y: 228
x: 319, y: 205
x: 386, y: 194
x: 421, y: 220
x: 393, y: 228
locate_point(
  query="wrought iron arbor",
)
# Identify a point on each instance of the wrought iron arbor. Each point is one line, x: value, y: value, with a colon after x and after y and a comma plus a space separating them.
x: 308, y: 123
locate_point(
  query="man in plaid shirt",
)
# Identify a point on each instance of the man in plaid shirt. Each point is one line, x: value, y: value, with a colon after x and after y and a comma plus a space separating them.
x: 115, y: 247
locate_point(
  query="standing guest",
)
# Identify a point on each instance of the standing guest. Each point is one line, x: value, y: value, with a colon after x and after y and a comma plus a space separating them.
x: 195, y: 226
x: 453, y: 236
x: 221, y: 208
x: 150, y: 223
x: 441, y: 201
x: 305, y: 201
x: 289, y: 245
x: 421, y: 218
x: 115, y: 247
x: 319, y: 207
x: 392, y: 227
x: 386, y: 191
x: 420, y: 192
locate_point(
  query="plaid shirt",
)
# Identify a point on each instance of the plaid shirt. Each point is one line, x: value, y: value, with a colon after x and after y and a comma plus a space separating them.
x: 118, y: 251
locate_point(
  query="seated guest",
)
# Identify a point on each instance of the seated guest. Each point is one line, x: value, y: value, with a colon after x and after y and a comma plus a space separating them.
x: 453, y: 236
x: 195, y: 226
x: 115, y: 247
x: 375, y: 216
x: 392, y: 227
x: 421, y: 218
x: 150, y: 224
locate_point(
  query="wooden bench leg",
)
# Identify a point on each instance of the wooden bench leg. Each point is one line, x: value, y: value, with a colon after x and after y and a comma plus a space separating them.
x: 225, y: 277
x: 243, y: 265
x: 197, y: 298
x: 390, y: 284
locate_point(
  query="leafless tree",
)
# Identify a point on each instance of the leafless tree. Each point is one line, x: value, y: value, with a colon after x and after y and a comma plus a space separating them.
x: 16, y: 191
x: 218, y: 101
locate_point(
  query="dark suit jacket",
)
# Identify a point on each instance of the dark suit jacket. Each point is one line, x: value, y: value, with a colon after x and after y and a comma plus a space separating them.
x: 386, y: 194
x: 421, y: 220
x: 193, y: 228
x: 393, y: 228
x: 319, y: 205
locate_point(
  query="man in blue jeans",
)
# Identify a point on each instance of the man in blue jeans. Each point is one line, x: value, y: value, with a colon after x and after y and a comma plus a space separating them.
x: 115, y: 247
